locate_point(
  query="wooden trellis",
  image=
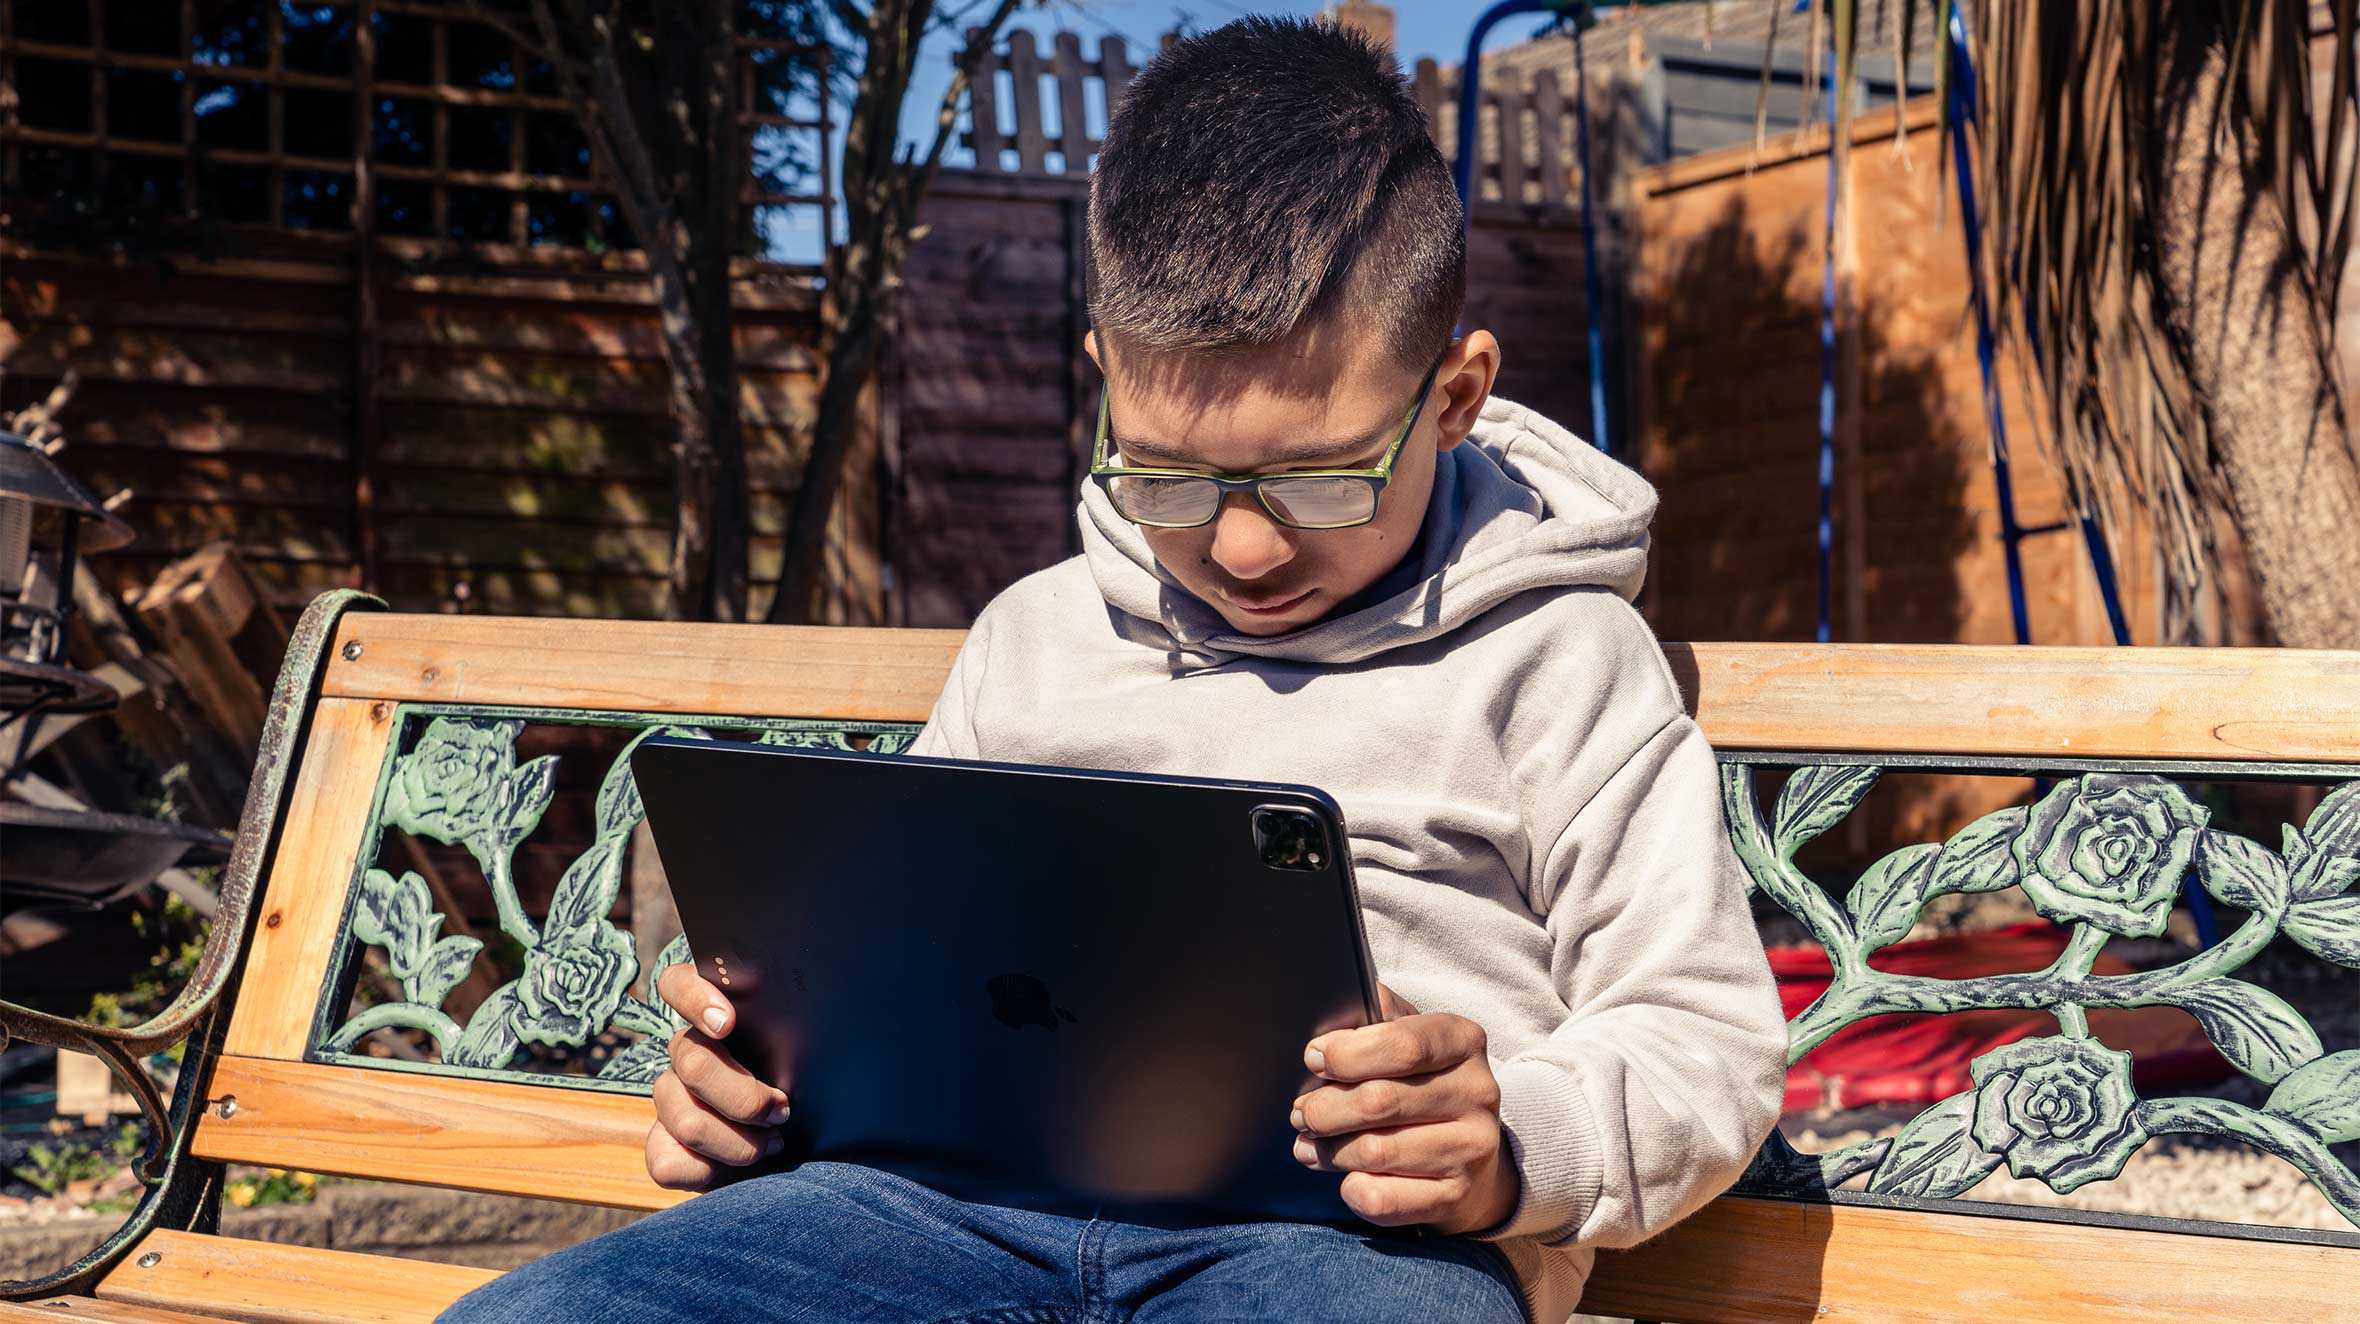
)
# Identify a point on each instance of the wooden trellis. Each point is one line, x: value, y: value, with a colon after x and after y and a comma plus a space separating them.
x: 526, y: 115
x: 1032, y: 114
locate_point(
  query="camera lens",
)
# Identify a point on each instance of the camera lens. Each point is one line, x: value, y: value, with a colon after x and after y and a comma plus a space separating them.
x: 1290, y: 838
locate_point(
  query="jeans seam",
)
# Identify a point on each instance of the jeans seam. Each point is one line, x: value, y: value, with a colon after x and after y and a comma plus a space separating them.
x: 1089, y: 1267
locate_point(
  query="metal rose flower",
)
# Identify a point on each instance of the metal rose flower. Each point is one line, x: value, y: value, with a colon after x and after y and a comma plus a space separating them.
x: 2109, y: 851
x: 455, y: 783
x: 572, y: 984
x: 2058, y: 1109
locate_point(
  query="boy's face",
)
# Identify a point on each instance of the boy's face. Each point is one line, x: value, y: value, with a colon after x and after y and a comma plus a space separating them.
x: 1314, y: 403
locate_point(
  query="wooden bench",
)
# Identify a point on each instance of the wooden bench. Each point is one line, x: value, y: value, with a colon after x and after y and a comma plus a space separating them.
x: 402, y: 750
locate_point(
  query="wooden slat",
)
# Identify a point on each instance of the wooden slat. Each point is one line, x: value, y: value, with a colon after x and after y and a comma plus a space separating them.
x: 1024, y: 74
x: 264, y: 1281
x: 644, y: 666
x: 2229, y: 704
x: 477, y: 1135
x: 1750, y: 1261
x: 303, y: 891
x: 2234, y: 704
x: 1073, y: 124
x: 91, y: 1308
x: 983, y: 101
x: 1114, y: 66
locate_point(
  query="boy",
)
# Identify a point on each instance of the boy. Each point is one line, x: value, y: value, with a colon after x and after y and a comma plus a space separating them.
x: 1585, y: 1043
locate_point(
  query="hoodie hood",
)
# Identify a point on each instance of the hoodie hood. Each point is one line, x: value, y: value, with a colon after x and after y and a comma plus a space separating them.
x: 1522, y: 504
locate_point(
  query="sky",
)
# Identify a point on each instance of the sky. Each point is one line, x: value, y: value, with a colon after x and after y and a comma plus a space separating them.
x: 1422, y: 27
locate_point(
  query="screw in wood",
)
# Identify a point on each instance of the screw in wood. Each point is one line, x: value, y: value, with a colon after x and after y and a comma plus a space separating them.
x: 228, y: 1107
x: 352, y: 651
x: 150, y: 1260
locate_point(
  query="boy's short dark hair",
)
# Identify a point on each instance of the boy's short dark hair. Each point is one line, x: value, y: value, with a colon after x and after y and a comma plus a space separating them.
x: 1258, y: 179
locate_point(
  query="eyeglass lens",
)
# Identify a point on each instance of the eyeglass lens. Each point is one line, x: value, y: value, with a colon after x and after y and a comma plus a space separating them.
x: 1311, y: 503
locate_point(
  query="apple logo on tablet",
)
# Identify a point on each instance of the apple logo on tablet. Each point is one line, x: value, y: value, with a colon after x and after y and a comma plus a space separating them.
x: 1019, y: 1000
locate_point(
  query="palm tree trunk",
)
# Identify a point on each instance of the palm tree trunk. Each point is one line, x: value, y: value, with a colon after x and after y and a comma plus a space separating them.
x: 2257, y: 356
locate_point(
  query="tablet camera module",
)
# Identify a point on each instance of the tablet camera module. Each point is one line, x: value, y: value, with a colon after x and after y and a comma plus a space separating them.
x: 1290, y: 839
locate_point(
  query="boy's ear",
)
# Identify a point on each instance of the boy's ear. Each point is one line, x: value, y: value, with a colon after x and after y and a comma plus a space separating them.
x: 1090, y: 347
x: 1465, y: 379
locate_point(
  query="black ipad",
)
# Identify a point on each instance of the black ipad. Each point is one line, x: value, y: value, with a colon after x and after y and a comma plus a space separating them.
x: 1061, y: 989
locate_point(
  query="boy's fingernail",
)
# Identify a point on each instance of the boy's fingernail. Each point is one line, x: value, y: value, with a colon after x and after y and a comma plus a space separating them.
x: 1304, y: 1153
x: 1296, y: 1118
x: 1315, y: 1058
x: 774, y: 1144
x: 715, y: 1019
x: 777, y: 1114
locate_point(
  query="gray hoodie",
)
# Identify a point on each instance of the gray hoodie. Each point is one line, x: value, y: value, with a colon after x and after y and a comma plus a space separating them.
x: 1536, y: 822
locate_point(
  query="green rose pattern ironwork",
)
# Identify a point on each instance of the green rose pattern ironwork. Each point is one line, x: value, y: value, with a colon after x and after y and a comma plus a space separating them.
x: 462, y: 786
x: 2104, y: 854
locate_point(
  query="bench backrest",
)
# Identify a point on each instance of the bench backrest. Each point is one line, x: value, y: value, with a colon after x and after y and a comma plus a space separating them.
x: 422, y: 747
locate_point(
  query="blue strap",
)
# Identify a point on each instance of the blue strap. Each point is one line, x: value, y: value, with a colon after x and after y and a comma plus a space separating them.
x: 1593, y: 287
x: 1827, y: 377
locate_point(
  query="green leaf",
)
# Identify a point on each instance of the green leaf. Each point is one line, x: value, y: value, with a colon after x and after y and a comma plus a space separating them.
x: 648, y: 1018
x: 588, y: 890
x: 1887, y: 899
x: 619, y: 807
x: 531, y: 787
x: 2329, y: 928
x: 2254, y: 1028
x: 1978, y: 859
x: 491, y: 1040
x: 397, y: 915
x: 2324, y: 875
x: 2242, y: 872
x: 2322, y: 1097
x: 1816, y: 799
x: 1935, y: 1156
x: 442, y: 970
x: 2334, y: 826
x: 2296, y: 848
x: 639, y: 1062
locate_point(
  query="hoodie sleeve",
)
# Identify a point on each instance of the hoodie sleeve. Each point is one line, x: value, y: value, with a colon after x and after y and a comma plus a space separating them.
x: 950, y: 732
x: 1667, y: 1072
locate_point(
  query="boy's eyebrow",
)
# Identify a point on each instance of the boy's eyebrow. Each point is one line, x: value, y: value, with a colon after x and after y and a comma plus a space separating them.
x: 1301, y: 452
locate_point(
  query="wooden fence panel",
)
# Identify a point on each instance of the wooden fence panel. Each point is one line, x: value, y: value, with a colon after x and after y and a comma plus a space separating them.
x: 518, y: 454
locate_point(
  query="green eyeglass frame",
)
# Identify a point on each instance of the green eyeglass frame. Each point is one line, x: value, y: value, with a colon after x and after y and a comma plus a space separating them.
x: 1108, y: 475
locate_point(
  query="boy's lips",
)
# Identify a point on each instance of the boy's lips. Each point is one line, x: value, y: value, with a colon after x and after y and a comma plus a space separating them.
x: 1266, y: 606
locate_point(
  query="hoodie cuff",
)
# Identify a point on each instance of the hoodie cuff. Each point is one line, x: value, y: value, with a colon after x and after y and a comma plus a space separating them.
x: 1553, y: 1139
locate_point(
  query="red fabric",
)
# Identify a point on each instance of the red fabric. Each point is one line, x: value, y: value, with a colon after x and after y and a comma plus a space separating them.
x: 1915, y: 1058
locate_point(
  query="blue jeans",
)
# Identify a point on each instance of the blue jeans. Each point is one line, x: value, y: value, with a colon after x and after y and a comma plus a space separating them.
x: 836, y: 1242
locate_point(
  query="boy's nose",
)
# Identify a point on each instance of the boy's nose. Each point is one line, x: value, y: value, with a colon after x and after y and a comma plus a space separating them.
x: 1246, y: 541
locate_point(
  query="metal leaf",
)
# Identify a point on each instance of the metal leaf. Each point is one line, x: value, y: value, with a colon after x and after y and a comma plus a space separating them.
x: 1979, y: 858
x: 2242, y: 872
x: 2322, y: 1097
x: 1887, y: 899
x: 1815, y: 799
x: 442, y: 969
x: 1935, y: 1155
x: 2254, y: 1028
x: 2328, y: 928
x: 491, y: 1040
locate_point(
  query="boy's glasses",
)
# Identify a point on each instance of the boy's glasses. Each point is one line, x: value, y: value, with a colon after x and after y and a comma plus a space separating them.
x: 1299, y: 499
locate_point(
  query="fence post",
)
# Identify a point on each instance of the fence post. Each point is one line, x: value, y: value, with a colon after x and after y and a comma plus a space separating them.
x: 1073, y: 116
x: 983, y: 99
x: 1024, y: 68
x: 1114, y: 67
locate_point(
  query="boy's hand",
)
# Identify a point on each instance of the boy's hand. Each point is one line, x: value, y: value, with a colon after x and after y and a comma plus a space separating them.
x: 711, y: 1113
x: 1412, y: 1118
